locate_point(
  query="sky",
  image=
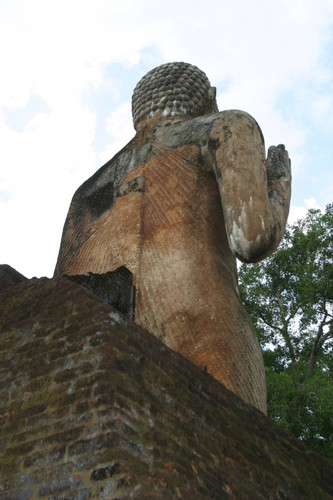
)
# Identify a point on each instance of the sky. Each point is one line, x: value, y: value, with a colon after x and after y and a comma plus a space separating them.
x: 68, y: 70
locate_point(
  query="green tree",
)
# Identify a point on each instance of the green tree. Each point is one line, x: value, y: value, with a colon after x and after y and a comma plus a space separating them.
x: 289, y: 297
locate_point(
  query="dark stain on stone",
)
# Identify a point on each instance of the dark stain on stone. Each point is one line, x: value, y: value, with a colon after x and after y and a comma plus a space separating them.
x: 226, y: 132
x: 100, y: 200
x: 213, y: 144
x: 104, y: 472
x: 135, y: 185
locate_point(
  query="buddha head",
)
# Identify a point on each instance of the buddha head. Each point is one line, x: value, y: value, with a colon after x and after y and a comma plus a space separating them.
x: 173, y: 89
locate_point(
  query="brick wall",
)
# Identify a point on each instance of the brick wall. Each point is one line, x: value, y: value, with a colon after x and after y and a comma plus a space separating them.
x: 91, y: 406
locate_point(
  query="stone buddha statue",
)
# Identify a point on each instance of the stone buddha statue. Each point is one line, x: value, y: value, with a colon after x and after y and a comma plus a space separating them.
x: 188, y: 194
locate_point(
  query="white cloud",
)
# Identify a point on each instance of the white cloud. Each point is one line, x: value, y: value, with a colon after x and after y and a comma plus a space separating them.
x: 296, y: 213
x: 322, y: 110
x: 312, y: 203
x: 299, y: 212
x: 120, y: 128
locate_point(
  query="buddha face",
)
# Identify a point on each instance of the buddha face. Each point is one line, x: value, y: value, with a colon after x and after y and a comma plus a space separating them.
x: 173, y: 89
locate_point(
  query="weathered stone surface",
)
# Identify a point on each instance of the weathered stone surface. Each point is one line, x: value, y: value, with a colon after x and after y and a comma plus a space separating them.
x: 175, y: 207
x: 92, y: 406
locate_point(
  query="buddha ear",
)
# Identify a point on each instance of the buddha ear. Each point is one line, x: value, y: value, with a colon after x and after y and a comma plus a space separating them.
x: 212, y: 94
x: 212, y: 100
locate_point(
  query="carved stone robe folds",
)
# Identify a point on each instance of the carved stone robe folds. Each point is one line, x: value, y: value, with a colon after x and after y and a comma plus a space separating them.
x: 175, y: 206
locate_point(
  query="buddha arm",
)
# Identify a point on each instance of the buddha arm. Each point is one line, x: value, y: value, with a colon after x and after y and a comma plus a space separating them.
x: 255, y: 192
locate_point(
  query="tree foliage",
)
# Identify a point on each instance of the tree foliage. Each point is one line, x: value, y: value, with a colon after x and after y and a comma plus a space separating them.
x: 289, y: 297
